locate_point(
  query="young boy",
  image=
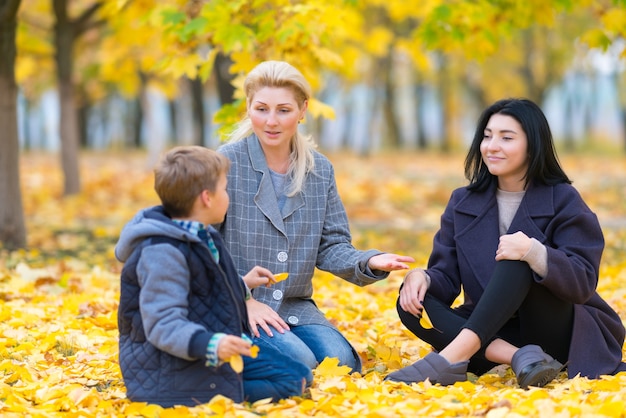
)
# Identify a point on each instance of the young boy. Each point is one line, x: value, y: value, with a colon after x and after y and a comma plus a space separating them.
x: 182, y: 311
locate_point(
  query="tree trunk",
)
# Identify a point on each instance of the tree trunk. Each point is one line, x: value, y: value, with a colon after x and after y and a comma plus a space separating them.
x: 69, y: 138
x: 620, y: 83
x: 137, y: 120
x: 392, y: 130
x: 223, y: 77
x: 446, y: 93
x: 12, y: 226
x: 623, y: 115
x: 197, y: 101
x: 64, y: 37
x: 422, y: 138
x: 26, y: 134
x: 82, y: 113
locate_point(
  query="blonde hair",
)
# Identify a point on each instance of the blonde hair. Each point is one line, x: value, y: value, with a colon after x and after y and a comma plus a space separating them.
x: 281, y: 75
x: 183, y: 173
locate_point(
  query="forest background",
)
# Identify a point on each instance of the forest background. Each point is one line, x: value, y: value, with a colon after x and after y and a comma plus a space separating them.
x: 92, y: 91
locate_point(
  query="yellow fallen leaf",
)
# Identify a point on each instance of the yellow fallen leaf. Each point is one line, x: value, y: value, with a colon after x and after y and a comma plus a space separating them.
x: 279, y: 277
x: 220, y: 405
x: 330, y: 367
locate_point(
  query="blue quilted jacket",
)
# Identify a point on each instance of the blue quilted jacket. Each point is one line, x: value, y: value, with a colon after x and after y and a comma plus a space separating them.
x: 173, y: 298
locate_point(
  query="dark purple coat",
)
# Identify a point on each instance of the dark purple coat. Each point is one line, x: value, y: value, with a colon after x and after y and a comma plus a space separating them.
x: 464, y: 254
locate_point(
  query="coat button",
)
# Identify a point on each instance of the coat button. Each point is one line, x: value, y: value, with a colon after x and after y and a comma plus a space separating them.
x: 277, y: 294
x: 293, y: 320
x: 212, y: 385
x: 282, y: 256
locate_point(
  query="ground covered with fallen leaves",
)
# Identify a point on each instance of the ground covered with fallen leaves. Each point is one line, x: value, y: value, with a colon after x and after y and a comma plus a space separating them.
x: 58, y: 298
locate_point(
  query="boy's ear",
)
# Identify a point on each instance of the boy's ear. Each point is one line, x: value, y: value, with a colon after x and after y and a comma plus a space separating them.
x: 206, y: 197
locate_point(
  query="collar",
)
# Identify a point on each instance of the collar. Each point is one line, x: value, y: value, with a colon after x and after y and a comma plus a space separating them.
x: 192, y: 226
x: 538, y: 199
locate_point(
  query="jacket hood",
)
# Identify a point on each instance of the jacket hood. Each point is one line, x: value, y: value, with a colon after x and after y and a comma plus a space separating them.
x: 147, y: 223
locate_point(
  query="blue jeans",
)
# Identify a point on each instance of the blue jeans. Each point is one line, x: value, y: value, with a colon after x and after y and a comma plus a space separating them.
x: 311, y: 344
x: 273, y: 375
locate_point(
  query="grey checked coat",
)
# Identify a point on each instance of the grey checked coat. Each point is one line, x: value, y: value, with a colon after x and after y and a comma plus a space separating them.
x: 312, y: 231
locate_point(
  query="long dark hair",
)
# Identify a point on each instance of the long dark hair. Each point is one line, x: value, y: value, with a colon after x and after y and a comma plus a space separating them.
x: 543, y: 163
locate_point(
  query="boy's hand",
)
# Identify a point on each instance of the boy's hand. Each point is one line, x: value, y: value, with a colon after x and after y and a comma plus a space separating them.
x: 259, y: 276
x: 231, y: 345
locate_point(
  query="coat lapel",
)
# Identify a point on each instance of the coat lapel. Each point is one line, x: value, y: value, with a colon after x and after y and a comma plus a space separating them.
x: 477, y: 233
x: 265, y: 198
x: 538, y: 202
x: 476, y: 218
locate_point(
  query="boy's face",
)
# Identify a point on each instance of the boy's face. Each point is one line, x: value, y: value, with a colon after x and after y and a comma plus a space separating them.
x: 219, y: 201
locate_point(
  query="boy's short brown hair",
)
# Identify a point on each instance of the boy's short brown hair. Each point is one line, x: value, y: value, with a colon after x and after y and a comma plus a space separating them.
x: 183, y: 173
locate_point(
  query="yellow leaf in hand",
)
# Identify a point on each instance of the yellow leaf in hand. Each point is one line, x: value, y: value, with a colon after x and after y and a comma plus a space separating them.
x: 236, y: 363
x: 425, y: 320
x: 254, y: 351
x: 279, y: 277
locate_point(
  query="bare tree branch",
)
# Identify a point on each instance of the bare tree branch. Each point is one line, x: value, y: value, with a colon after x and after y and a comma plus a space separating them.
x: 83, y: 23
x: 60, y: 10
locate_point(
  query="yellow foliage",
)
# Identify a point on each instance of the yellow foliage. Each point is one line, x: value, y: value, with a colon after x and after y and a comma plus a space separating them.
x: 614, y: 20
x: 320, y: 109
x: 58, y: 299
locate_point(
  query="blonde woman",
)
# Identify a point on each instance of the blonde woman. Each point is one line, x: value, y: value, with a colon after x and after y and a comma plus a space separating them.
x: 285, y: 214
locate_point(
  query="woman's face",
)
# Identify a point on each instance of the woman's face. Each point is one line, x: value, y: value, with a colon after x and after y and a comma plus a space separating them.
x: 505, y: 151
x: 275, y: 114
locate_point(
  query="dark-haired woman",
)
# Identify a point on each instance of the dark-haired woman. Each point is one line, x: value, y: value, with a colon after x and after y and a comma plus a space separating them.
x: 525, y: 249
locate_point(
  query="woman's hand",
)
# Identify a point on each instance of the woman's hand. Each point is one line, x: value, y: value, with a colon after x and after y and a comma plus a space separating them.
x: 413, y: 291
x: 513, y: 246
x: 389, y: 262
x: 260, y: 314
x: 259, y: 276
x: 231, y: 345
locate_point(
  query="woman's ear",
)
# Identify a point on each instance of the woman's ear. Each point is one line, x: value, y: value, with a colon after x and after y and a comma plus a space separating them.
x: 305, y: 105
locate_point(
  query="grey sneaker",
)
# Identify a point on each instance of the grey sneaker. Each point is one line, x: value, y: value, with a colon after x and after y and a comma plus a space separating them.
x: 534, y: 367
x: 433, y: 367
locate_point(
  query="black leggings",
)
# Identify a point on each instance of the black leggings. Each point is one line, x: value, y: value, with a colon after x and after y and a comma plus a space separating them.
x: 513, y: 308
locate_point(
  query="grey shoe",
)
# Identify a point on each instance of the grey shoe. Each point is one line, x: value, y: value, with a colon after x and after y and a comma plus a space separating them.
x: 433, y: 367
x: 534, y: 367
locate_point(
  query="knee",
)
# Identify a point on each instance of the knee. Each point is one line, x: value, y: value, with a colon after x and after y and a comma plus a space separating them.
x: 289, y: 345
x: 308, y: 377
x: 308, y: 358
x: 349, y: 358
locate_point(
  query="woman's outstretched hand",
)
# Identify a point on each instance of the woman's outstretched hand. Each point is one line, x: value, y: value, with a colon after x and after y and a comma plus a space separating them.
x: 389, y: 262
